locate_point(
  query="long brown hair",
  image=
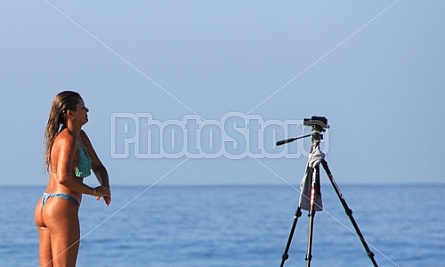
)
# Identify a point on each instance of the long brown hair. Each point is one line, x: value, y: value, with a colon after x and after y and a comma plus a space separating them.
x: 64, y: 101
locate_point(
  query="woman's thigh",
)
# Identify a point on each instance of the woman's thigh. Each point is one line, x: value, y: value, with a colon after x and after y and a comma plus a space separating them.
x: 45, y: 256
x: 61, y: 219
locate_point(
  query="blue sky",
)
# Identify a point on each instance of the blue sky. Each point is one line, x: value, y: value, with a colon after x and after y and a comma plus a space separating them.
x: 373, y: 68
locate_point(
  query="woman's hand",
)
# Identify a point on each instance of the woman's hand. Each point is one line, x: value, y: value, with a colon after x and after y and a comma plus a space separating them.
x: 104, y: 192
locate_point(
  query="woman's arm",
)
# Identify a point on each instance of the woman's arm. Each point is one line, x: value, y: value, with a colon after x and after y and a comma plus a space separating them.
x: 98, y: 168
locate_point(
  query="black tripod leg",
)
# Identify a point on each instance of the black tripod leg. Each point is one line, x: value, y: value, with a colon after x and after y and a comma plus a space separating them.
x: 349, y: 212
x: 289, y: 240
x: 309, y: 240
x: 315, y: 183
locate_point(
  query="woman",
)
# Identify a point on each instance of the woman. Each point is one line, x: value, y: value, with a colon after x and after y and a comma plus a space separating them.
x: 69, y: 158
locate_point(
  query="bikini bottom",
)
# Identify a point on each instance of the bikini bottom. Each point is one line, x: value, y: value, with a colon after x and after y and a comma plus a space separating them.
x: 70, y: 198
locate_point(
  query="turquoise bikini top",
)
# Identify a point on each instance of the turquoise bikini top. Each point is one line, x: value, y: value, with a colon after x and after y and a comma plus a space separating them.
x: 83, y: 168
x: 84, y: 165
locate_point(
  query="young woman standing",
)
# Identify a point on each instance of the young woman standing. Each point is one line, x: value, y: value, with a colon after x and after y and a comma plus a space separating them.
x: 69, y: 158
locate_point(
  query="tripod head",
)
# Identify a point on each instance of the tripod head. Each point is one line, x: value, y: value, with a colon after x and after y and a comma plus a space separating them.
x: 319, y: 125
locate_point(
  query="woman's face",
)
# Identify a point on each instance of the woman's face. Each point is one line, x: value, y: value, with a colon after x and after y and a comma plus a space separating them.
x: 80, y: 115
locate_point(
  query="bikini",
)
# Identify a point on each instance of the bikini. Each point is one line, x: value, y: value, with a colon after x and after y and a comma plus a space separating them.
x: 82, y: 170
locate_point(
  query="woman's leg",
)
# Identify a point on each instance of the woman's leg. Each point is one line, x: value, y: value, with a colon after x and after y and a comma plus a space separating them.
x: 45, y: 256
x: 62, y: 221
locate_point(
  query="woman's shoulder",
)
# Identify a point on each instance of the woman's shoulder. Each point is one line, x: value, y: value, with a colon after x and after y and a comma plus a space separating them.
x: 65, y: 138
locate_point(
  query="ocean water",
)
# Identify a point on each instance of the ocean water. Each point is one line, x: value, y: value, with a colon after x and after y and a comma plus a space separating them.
x: 197, y: 226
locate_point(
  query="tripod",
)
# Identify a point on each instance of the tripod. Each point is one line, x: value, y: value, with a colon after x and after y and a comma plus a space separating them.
x: 313, y: 201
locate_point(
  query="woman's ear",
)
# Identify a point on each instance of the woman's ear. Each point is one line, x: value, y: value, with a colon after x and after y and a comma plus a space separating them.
x: 69, y: 114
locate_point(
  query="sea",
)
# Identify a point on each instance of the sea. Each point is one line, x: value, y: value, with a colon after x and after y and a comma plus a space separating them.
x: 238, y: 226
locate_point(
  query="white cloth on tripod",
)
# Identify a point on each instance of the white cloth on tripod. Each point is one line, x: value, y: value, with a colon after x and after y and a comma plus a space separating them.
x: 314, y: 159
